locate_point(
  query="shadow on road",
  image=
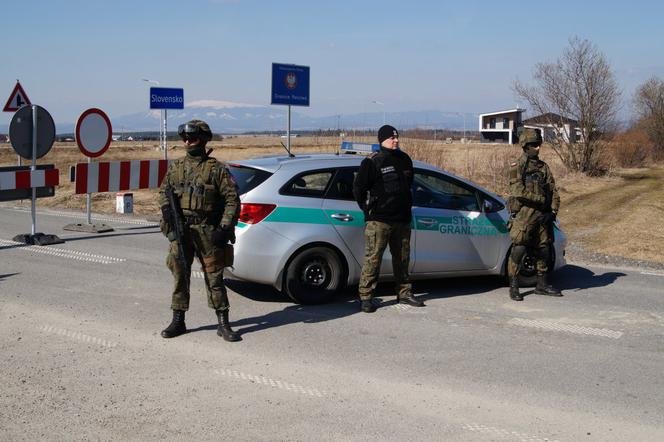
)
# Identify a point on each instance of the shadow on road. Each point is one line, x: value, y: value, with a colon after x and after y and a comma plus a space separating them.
x: 108, y: 235
x: 573, y: 277
x: 7, y: 275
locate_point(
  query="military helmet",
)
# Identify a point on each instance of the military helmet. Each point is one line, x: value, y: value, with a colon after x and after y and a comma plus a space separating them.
x: 195, y: 128
x: 530, y: 136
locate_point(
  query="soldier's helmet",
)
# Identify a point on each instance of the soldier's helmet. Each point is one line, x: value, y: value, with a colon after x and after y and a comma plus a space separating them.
x: 195, y: 128
x: 530, y: 136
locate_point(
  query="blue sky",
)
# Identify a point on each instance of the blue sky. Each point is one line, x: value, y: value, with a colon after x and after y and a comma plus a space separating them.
x: 459, y: 56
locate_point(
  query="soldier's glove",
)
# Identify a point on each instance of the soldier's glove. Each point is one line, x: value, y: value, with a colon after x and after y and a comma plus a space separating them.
x: 166, y: 217
x: 222, y: 235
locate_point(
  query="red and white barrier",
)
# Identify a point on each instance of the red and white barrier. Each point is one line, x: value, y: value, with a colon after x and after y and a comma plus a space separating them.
x: 25, y: 179
x: 114, y: 176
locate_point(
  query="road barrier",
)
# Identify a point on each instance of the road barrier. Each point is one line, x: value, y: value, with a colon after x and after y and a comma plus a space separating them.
x: 115, y: 176
x: 25, y: 179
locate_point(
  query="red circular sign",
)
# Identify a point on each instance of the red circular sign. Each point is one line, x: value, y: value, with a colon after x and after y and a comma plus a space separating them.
x: 93, y: 132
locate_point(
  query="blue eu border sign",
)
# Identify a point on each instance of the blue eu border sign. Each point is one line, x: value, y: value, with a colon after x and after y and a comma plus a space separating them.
x: 166, y: 98
x: 290, y: 84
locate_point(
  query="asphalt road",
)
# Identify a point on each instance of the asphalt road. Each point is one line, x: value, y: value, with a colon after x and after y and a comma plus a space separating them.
x: 82, y: 358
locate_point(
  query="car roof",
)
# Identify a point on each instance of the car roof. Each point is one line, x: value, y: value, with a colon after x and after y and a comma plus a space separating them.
x: 312, y: 161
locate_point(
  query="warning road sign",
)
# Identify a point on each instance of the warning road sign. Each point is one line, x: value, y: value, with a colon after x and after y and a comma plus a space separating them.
x: 17, y: 99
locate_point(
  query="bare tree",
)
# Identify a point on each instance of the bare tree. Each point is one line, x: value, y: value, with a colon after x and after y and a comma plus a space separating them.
x: 578, y: 88
x: 649, y: 104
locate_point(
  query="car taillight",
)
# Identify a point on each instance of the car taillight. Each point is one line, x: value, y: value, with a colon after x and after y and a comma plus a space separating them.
x: 254, y: 213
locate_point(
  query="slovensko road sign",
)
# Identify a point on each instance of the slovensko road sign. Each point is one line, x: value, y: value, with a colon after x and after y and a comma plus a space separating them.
x: 93, y: 132
x: 17, y: 99
x: 20, y: 132
x: 290, y: 84
x: 166, y: 98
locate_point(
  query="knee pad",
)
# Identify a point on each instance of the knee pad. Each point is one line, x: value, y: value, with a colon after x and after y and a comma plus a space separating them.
x: 518, y: 252
x: 544, y: 252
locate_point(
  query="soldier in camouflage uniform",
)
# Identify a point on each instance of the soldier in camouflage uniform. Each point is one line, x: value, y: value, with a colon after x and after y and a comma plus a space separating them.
x: 534, y: 203
x: 210, y: 206
x: 382, y: 190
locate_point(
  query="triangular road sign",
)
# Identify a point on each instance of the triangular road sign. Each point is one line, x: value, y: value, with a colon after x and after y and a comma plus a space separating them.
x: 17, y: 99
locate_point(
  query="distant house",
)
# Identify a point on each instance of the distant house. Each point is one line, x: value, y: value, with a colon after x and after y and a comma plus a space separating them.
x: 500, y: 127
x: 4, y: 138
x: 555, y: 127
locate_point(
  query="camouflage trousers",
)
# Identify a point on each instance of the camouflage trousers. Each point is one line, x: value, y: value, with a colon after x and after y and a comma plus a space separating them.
x: 534, y: 237
x: 213, y: 259
x: 378, y: 236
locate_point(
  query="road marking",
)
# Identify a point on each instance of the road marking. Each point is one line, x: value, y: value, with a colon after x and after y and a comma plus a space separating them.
x: 270, y: 382
x: 63, y: 253
x: 652, y: 273
x: 507, y: 434
x: 197, y: 274
x: 570, y: 328
x: 75, y: 215
x: 78, y: 336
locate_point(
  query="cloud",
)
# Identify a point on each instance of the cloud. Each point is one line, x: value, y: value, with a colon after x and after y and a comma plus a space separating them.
x: 219, y: 104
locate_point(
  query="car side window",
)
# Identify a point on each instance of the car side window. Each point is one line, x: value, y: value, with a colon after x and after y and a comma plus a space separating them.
x: 438, y: 191
x: 309, y: 184
x: 341, y: 187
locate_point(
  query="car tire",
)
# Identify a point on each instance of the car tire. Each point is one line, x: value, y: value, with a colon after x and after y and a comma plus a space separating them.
x: 528, y: 273
x: 314, y: 276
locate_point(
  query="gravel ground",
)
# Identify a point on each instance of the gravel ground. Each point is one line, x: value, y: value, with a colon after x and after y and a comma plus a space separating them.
x: 577, y: 254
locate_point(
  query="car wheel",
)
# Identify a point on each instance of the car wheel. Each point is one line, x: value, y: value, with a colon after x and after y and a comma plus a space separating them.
x: 313, y: 276
x: 528, y: 273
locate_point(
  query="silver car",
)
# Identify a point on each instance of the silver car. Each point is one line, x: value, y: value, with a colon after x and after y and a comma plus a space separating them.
x: 301, y: 231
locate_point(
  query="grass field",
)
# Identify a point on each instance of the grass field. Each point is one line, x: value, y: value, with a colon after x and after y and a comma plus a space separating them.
x: 620, y: 214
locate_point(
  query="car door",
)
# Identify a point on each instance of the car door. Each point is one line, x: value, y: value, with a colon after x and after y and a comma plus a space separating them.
x: 347, y: 218
x: 448, y: 221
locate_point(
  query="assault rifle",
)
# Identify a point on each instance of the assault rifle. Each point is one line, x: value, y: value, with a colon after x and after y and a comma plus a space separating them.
x: 177, y: 224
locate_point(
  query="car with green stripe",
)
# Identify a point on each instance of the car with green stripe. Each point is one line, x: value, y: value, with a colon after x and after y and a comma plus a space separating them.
x: 301, y: 231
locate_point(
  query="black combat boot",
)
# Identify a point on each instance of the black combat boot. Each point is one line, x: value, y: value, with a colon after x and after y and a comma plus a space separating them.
x: 224, y: 330
x: 412, y: 301
x: 514, y: 289
x: 543, y: 288
x: 367, y: 306
x: 177, y: 326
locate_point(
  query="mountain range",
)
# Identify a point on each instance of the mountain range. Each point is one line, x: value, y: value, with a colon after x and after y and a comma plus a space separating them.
x: 231, y: 117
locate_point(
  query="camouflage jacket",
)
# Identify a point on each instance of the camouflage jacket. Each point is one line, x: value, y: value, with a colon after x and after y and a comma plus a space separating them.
x: 206, y: 190
x: 532, y: 189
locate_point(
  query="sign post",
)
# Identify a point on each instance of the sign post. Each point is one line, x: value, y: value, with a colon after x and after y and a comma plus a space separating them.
x: 93, y: 137
x: 290, y: 86
x: 32, y: 133
x: 165, y: 98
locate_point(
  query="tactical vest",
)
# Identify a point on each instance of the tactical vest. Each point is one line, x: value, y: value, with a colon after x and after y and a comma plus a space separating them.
x: 196, y: 188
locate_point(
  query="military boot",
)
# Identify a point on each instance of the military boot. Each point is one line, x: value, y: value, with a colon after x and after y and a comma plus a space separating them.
x: 367, y: 306
x: 543, y: 288
x: 514, y: 289
x: 224, y: 330
x: 177, y: 326
x: 411, y: 301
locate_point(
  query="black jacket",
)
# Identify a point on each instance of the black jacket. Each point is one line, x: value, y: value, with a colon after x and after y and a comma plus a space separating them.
x: 382, y: 186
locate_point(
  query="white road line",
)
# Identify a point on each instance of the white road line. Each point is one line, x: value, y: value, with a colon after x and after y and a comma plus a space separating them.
x: 564, y: 327
x: 78, y: 336
x: 506, y: 434
x: 652, y: 273
x: 63, y: 253
x: 197, y: 274
x: 274, y: 383
x: 76, y: 215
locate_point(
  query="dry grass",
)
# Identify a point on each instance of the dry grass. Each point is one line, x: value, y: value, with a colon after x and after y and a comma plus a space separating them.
x: 619, y: 214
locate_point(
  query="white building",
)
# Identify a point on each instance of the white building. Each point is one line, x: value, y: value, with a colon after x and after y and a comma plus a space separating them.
x: 501, y: 126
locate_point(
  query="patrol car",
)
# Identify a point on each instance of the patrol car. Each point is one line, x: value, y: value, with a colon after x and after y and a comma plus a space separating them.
x: 301, y: 231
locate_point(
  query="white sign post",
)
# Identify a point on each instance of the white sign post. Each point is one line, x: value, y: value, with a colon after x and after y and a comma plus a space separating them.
x: 93, y: 137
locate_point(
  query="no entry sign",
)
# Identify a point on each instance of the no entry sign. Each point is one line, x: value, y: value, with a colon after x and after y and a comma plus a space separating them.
x: 93, y: 132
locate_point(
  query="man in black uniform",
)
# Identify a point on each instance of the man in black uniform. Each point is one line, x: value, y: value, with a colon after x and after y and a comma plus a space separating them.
x: 382, y: 190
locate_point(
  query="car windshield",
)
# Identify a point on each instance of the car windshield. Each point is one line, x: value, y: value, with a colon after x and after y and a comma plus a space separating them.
x: 247, y: 178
